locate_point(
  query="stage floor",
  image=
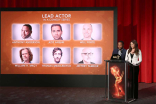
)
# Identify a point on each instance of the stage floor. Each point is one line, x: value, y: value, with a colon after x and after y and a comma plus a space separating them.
x: 69, y: 95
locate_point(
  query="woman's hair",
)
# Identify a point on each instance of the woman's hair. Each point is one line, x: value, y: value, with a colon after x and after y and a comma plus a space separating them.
x: 135, y: 46
x: 30, y: 54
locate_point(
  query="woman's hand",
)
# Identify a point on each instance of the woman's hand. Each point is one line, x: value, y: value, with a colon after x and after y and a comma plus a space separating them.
x: 133, y: 51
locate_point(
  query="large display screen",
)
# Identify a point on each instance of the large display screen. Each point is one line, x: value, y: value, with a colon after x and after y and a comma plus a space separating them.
x: 56, y: 42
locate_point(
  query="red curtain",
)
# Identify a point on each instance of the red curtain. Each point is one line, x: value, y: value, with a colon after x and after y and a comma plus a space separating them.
x: 136, y: 20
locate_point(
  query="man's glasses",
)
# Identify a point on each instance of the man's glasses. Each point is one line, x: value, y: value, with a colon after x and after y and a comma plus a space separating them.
x: 88, y: 54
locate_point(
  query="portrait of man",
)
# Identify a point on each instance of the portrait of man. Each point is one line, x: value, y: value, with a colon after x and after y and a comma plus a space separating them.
x: 57, y: 54
x: 26, y: 32
x: 56, y: 31
x: 26, y: 55
x: 87, y: 32
x: 86, y: 55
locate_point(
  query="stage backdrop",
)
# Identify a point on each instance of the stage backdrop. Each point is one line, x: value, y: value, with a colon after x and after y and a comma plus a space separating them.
x: 136, y: 20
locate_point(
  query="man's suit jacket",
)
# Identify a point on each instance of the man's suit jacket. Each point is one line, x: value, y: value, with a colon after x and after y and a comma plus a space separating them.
x: 81, y: 62
x: 115, y: 51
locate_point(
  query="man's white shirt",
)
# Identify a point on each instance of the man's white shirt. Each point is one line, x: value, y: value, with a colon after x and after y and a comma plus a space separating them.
x: 29, y: 38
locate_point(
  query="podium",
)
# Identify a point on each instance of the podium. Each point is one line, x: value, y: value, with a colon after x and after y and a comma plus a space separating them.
x: 118, y: 81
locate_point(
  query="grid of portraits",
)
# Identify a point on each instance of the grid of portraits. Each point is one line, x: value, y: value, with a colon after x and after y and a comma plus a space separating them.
x: 57, y: 54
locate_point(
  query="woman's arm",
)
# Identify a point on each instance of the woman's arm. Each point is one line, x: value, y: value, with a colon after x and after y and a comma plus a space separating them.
x: 126, y: 56
x: 140, y: 58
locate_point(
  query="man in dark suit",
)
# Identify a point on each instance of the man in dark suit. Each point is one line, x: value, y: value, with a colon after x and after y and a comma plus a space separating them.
x: 120, y: 51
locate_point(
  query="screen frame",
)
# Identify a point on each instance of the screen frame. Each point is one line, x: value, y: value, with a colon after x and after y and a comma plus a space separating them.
x: 57, y: 80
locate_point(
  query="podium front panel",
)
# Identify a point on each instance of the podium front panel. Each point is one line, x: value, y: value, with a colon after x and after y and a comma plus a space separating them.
x: 116, y: 81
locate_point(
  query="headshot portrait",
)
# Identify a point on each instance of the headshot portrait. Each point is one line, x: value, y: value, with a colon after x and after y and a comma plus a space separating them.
x: 25, y: 32
x: 87, y: 55
x: 25, y: 55
x: 56, y: 55
x: 87, y: 31
x: 56, y: 31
